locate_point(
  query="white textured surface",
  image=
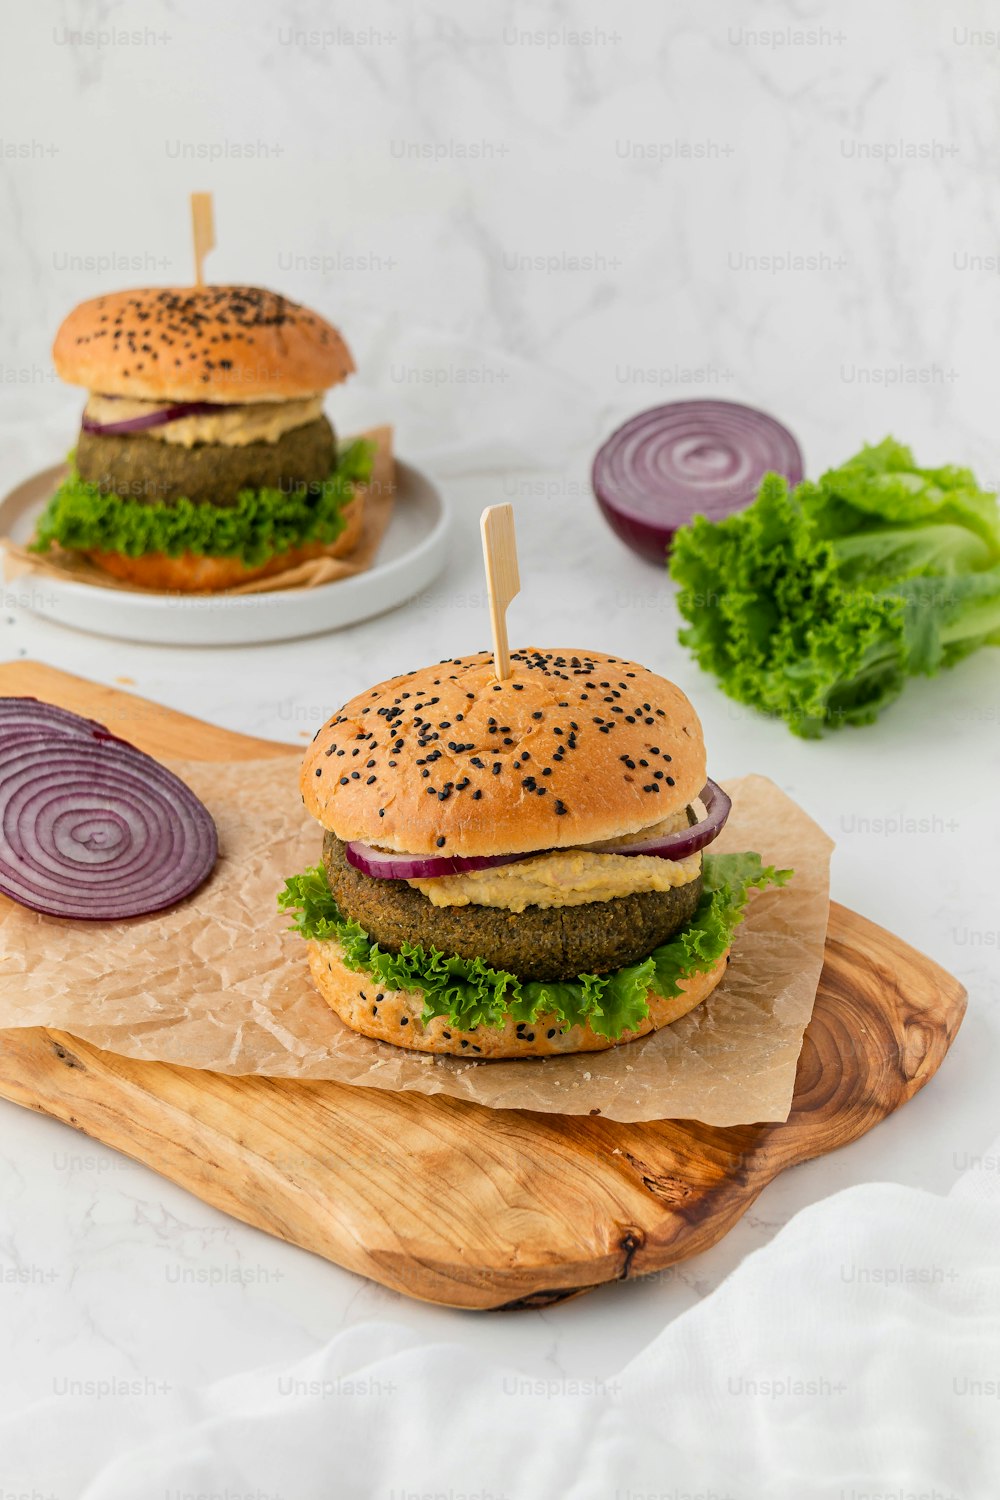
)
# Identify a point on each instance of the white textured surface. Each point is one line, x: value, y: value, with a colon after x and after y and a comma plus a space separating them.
x: 501, y: 377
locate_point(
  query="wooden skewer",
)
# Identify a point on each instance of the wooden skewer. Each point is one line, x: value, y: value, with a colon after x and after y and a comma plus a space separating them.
x: 503, y: 581
x: 203, y: 228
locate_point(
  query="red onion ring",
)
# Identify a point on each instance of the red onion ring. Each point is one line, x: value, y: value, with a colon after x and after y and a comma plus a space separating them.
x: 388, y: 864
x: 668, y: 464
x: 90, y: 827
x: 686, y: 841
x: 160, y: 418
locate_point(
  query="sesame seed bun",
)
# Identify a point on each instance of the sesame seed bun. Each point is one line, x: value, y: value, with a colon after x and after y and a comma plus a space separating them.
x: 575, y: 747
x: 394, y: 1015
x: 191, y: 573
x: 224, y: 344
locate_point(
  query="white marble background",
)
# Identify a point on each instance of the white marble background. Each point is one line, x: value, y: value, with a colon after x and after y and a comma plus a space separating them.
x: 530, y: 221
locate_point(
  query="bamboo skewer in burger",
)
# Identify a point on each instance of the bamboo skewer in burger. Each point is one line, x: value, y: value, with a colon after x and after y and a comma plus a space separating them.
x: 204, y: 458
x: 513, y: 865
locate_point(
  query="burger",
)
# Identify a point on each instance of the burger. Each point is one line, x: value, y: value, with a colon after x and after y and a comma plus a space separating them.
x: 517, y: 868
x: 204, y: 458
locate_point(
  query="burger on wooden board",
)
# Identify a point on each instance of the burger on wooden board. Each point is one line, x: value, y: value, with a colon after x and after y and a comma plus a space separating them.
x: 204, y: 458
x: 518, y: 867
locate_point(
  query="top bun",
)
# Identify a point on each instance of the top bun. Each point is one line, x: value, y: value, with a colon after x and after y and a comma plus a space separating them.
x: 200, y: 343
x: 575, y: 747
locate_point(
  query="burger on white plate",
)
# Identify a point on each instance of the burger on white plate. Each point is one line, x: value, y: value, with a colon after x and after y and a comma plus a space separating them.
x: 204, y: 458
x: 518, y: 868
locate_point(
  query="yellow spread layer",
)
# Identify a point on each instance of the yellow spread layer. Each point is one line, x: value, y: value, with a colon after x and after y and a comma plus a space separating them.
x: 567, y: 877
x: 235, y: 426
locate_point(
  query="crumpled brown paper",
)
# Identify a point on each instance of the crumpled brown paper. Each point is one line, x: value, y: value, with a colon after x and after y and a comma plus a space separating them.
x: 220, y: 983
x: 380, y: 492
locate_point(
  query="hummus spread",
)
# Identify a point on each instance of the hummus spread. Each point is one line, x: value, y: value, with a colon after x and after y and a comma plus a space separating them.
x: 567, y: 877
x: 233, y: 426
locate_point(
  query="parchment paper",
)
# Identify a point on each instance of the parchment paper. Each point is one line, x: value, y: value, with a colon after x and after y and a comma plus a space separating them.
x: 380, y: 492
x: 220, y: 983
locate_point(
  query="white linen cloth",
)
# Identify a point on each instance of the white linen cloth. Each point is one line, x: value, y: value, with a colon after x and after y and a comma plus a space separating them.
x: 856, y: 1356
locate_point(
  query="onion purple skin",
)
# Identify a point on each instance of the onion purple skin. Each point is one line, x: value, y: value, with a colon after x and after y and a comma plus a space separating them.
x: 389, y: 865
x: 649, y: 540
x: 647, y: 509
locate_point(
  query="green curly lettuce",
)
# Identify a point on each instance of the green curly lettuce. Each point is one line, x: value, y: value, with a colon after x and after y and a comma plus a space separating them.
x: 260, y: 525
x: 817, y: 605
x: 468, y: 993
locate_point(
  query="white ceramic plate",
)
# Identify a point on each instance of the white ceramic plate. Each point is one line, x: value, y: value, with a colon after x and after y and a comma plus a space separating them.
x: 413, y: 551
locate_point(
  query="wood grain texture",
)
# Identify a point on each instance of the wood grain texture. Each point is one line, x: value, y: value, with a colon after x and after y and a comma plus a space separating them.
x: 466, y: 1206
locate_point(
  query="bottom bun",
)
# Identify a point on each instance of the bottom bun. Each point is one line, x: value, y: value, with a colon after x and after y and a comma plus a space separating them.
x: 191, y: 573
x: 394, y: 1015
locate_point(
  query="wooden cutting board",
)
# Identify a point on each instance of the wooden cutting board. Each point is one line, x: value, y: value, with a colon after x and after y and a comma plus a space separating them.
x: 448, y: 1201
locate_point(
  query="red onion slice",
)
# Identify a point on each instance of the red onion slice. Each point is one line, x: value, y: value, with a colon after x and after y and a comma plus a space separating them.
x: 159, y: 418
x: 90, y: 827
x: 687, y: 458
x: 25, y: 716
x: 387, y: 864
x: 687, y: 840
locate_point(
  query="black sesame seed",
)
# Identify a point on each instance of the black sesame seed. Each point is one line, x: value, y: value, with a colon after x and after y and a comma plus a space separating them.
x: 440, y: 842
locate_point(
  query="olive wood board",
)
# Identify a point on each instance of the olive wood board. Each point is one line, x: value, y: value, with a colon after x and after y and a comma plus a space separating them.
x: 451, y: 1202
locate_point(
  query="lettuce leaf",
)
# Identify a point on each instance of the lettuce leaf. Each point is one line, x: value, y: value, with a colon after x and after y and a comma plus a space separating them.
x: 817, y: 605
x: 469, y: 993
x: 260, y: 525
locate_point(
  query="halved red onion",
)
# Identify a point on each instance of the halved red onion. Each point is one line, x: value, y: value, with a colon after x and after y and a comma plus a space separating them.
x: 90, y: 827
x: 158, y: 418
x: 387, y: 864
x: 688, y: 458
x: 687, y: 840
